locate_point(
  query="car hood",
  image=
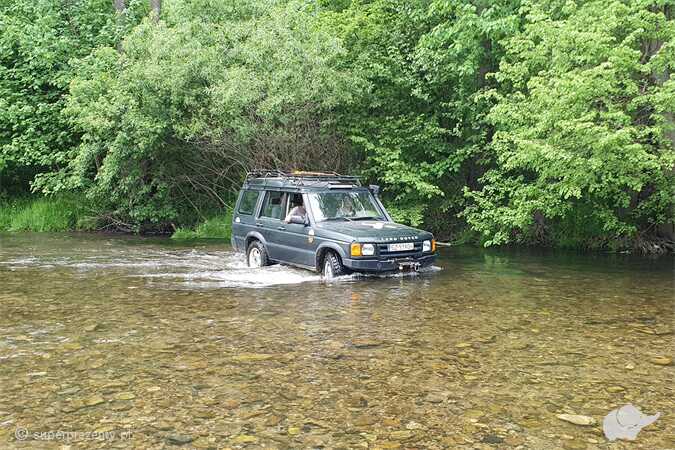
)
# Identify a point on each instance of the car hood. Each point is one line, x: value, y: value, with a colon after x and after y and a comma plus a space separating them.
x: 374, y: 231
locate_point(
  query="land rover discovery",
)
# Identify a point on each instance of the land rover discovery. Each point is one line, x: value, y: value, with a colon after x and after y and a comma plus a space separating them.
x: 328, y: 223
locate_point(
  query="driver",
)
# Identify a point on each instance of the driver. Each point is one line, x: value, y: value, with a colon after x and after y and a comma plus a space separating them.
x: 297, y: 210
x: 347, y: 208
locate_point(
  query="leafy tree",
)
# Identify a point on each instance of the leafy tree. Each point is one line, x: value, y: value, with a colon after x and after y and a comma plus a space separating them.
x: 419, y: 127
x: 171, y: 121
x: 581, y: 149
x: 38, y: 44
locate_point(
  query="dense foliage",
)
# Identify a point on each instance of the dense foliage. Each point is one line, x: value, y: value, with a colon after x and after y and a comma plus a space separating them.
x: 581, y: 144
x: 39, y: 39
x: 532, y: 121
x: 170, y: 123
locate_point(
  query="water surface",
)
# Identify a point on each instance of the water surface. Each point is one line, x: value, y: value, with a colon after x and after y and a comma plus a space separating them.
x: 161, y: 344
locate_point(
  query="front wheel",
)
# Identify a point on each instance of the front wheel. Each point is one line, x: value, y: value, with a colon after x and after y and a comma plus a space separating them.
x: 256, y: 256
x: 332, y: 266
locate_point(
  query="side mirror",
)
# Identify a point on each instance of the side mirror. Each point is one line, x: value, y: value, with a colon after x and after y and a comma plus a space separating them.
x: 374, y: 188
x: 300, y: 220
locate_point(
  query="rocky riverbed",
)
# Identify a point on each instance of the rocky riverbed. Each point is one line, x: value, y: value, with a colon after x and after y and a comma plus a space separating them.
x: 127, y: 342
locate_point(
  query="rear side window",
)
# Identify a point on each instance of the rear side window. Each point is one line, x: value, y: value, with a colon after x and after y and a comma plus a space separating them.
x: 248, y: 201
x: 274, y: 205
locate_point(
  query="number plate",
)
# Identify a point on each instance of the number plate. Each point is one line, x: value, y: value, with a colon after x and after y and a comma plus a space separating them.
x: 401, y: 247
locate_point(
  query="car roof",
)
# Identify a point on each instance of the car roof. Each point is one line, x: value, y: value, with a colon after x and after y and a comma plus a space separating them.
x: 300, y: 181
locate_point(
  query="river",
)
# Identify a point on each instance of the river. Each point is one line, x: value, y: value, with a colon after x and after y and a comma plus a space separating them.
x: 120, y: 342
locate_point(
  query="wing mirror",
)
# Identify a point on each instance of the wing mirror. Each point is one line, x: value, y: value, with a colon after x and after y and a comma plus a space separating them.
x: 374, y: 188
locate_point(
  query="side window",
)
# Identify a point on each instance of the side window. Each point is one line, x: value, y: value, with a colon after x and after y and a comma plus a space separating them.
x: 248, y: 201
x: 295, y: 199
x: 274, y: 205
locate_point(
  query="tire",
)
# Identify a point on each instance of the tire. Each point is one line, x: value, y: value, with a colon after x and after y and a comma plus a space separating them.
x: 332, y: 266
x: 256, y: 255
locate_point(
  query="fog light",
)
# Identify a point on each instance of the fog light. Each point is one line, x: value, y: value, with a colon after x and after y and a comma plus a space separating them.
x: 368, y: 249
x: 356, y: 249
x: 426, y: 246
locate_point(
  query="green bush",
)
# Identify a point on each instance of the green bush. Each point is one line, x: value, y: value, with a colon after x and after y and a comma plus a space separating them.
x: 172, y: 122
x: 218, y: 227
x: 44, y: 214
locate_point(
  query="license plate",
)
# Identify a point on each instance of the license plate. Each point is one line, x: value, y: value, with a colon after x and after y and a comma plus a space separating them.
x: 401, y: 247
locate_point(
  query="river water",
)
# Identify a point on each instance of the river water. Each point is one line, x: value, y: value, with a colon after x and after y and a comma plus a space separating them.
x: 120, y: 342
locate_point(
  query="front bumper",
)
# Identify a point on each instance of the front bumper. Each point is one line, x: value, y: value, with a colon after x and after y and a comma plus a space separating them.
x: 389, y: 264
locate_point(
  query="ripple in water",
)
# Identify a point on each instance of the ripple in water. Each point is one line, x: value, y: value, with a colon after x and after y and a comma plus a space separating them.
x: 188, y: 269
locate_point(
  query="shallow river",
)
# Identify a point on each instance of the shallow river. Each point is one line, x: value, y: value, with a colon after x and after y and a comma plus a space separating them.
x: 118, y: 342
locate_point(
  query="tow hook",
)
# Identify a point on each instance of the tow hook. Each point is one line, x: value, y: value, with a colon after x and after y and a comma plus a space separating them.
x: 411, y: 266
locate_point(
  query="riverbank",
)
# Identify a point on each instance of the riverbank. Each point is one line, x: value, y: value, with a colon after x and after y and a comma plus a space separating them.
x: 67, y: 212
x: 217, y: 227
x: 72, y: 212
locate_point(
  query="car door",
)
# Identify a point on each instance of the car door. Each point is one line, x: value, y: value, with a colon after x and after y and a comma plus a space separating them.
x: 269, y: 223
x: 244, y: 217
x: 299, y: 242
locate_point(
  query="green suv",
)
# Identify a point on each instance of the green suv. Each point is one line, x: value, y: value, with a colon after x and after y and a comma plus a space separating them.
x: 328, y: 223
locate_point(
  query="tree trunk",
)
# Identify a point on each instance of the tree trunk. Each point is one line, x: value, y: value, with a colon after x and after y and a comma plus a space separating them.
x: 155, y: 9
x: 119, y: 5
x: 120, y: 9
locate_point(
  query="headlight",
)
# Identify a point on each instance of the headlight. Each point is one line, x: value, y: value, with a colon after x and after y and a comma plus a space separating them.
x: 357, y: 249
x: 426, y: 246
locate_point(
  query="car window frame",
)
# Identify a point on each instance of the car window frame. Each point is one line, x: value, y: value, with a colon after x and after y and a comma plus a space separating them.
x: 288, y: 202
x: 254, y: 206
x: 284, y: 200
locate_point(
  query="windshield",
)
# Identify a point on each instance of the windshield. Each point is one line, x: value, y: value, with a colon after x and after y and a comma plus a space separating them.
x: 344, y: 205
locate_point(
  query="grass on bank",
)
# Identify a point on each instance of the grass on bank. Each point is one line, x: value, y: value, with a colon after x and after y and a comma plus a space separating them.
x: 43, y: 214
x: 217, y: 227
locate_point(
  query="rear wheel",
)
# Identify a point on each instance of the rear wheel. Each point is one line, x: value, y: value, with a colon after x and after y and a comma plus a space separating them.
x: 332, y: 266
x: 256, y: 256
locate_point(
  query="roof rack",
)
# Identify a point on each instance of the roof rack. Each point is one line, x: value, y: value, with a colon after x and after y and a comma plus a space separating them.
x: 302, y: 177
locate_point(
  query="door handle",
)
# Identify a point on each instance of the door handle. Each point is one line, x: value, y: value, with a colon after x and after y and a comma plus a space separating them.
x: 281, y: 228
x: 258, y: 224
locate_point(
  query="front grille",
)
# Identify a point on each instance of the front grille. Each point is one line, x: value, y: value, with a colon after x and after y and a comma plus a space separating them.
x: 383, y: 251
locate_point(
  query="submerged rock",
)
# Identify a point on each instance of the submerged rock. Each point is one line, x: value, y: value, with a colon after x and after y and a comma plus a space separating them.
x: 492, y: 439
x: 366, y: 343
x: 401, y: 435
x: 577, y: 419
x: 93, y: 327
x: 245, y: 439
x: 179, y: 439
x: 125, y: 396
x: 93, y: 400
x: 615, y: 389
x: 662, y: 361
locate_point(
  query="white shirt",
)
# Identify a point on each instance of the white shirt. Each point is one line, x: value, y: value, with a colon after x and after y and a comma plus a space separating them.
x: 296, y: 211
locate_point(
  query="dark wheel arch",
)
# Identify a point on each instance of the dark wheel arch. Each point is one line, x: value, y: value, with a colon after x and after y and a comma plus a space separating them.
x: 323, y: 250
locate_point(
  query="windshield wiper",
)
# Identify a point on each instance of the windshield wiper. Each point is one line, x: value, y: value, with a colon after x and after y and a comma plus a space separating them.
x: 367, y: 218
x: 337, y: 218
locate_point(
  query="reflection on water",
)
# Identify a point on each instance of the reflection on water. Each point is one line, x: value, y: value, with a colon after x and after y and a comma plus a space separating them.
x: 184, y: 345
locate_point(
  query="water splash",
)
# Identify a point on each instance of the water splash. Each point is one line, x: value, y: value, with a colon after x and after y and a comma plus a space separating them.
x: 191, y: 268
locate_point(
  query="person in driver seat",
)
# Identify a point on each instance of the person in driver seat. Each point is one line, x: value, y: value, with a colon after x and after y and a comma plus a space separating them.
x: 297, y: 210
x: 346, y: 208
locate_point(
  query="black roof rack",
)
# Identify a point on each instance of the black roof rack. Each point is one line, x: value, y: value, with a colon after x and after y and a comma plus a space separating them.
x: 302, y: 177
